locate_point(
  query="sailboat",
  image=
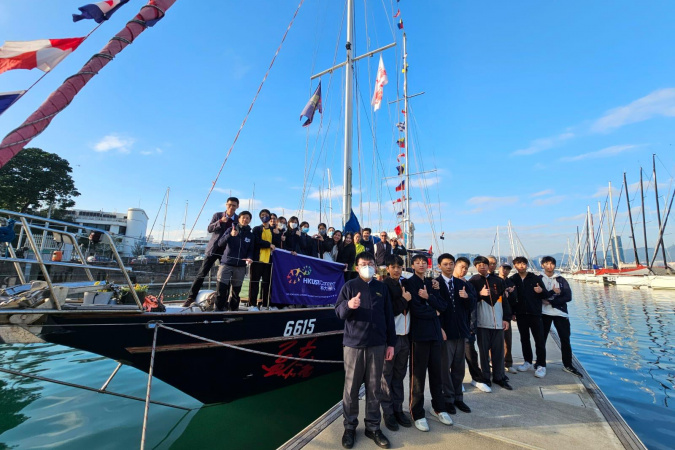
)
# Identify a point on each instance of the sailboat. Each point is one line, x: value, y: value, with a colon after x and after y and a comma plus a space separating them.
x: 234, y: 354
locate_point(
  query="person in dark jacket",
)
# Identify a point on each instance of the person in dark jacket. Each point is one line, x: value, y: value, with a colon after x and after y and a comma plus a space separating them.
x: 455, y: 327
x: 426, y: 340
x: 322, y: 242
x: 554, y: 311
x: 220, y: 222
x: 306, y: 244
x: 292, y: 236
x: 395, y: 370
x: 369, y: 339
x: 367, y: 241
x: 529, y: 297
x: 261, y: 267
x: 347, y: 254
x: 237, y: 244
x: 382, y: 249
x: 503, y: 273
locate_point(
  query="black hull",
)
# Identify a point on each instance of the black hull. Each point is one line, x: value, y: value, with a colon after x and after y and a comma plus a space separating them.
x: 209, y: 372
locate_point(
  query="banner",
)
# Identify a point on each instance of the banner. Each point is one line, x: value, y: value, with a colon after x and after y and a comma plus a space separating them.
x: 302, y: 280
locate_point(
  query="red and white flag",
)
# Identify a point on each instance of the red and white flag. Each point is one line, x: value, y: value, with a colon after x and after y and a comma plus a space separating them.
x: 379, y: 85
x: 43, y: 54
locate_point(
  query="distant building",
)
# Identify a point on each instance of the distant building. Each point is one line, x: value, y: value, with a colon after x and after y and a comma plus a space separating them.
x: 131, y: 226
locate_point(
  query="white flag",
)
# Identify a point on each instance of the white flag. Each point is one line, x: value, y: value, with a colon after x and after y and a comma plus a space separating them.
x: 379, y: 85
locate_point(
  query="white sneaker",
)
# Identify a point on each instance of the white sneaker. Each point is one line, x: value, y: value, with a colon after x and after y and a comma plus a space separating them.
x: 253, y: 308
x: 442, y: 417
x: 481, y: 386
x: 422, y: 425
x: 511, y: 370
x: 540, y: 372
x: 524, y: 367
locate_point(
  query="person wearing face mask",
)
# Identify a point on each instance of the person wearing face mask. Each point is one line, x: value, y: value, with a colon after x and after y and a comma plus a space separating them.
x: 321, y: 241
x: 347, y: 254
x: 237, y: 242
x: 293, y: 235
x: 335, y: 243
x: 307, y: 245
x: 261, y: 267
x: 282, y: 226
x: 369, y: 339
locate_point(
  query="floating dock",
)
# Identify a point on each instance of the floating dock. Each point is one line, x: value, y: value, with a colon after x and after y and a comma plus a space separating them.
x: 558, y: 411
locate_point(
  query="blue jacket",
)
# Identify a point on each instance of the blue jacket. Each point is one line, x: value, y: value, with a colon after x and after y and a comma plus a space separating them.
x: 372, y: 323
x: 559, y: 301
x: 455, y: 319
x: 217, y: 228
x: 424, y: 322
x: 236, y: 248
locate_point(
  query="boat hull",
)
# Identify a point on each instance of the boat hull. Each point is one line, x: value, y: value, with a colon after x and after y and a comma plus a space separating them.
x: 206, y: 371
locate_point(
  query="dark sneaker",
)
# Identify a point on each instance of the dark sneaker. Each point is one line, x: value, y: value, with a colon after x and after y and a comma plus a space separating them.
x: 390, y: 422
x: 504, y: 384
x: 348, y: 438
x: 462, y: 406
x: 402, y: 419
x: 450, y: 408
x: 573, y: 371
x: 379, y: 438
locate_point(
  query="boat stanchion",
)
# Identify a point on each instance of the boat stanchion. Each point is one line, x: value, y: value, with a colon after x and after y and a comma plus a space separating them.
x: 112, y: 375
x: 156, y: 326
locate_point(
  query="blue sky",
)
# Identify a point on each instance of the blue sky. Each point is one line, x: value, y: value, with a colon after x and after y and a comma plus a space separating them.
x: 530, y: 108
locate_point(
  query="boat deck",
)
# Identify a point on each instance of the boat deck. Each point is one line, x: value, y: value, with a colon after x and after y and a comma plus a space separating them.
x: 552, y: 412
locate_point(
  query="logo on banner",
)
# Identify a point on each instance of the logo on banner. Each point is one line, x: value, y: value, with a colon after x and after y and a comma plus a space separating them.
x: 296, y: 275
x: 301, y: 275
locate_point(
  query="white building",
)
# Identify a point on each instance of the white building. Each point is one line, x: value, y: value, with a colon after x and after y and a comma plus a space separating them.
x: 131, y: 226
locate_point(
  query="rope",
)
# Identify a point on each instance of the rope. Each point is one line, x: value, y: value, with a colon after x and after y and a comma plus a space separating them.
x: 248, y: 350
x: 229, y: 151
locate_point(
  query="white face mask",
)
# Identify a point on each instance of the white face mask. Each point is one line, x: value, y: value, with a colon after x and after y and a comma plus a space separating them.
x: 294, y: 225
x: 367, y: 272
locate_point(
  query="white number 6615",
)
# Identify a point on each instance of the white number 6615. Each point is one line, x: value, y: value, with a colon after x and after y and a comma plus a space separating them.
x: 294, y: 328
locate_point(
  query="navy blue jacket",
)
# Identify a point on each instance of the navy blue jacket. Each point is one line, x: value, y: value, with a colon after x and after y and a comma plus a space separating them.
x: 528, y: 301
x: 424, y: 322
x: 372, y: 323
x: 559, y: 301
x: 217, y: 228
x: 236, y: 248
x: 369, y: 245
x: 307, y: 245
x: 455, y: 319
x: 292, y: 242
x: 399, y: 305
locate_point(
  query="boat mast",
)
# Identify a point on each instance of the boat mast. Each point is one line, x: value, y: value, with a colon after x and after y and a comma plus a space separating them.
x: 616, y: 259
x: 185, y: 220
x: 644, y: 219
x: 349, y: 75
x: 593, y: 246
x: 658, y: 209
x: 406, y: 191
x: 602, y: 237
x: 579, y: 260
x: 166, y: 208
x: 589, y: 261
x: 630, y: 219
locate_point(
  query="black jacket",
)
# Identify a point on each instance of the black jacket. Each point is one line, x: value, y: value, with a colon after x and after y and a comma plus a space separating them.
x: 347, y: 255
x: 369, y: 246
x: 372, y: 323
x: 400, y: 250
x: 527, y: 301
x: 455, y: 319
x: 383, y: 249
x: 424, y: 322
x: 559, y: 301
x: 236, y: 248
x: 307, y: 245
x: 217, y: 228
x: 292, y: 242
x: 399, y: 305
x: 259, y: 242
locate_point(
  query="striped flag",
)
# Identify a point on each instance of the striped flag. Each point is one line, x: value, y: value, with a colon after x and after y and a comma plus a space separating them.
x: 7, y: 99
x: 398, y: 13
x: 401, y: 186
x: 43, y: 54
x: 99, y: 11
x: 313, y: 105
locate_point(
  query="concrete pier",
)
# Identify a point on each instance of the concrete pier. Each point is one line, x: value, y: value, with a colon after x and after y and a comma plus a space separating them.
x: 558, y: 411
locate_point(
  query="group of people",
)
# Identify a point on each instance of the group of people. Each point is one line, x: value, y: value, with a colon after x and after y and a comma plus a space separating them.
x: 429, y: 326
x: 235, y: 244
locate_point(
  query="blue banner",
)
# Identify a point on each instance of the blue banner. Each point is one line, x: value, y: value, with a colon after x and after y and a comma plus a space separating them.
x: 302, y: 280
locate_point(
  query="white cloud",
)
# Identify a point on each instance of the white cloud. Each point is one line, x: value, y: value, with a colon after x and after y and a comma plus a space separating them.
x: 657, y: 103
x: 604, y: 153
x: 542, y: 193
x: 114, y: 142
x: 334, y: 192
x: 250, y: 204
x: 549, y: 201
x: 539, y: 145
x: 156, y: 151
x: 492, y: 201
x: 226, y: 191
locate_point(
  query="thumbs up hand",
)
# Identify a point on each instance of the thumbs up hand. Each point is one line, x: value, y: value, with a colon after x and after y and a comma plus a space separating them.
x: 538, y: 289
x: 355, y: 302
x: 485, y: 292
x: 406, y: 295
x: 435, y: 284
x: 423, y: 293
x: 463, y: 293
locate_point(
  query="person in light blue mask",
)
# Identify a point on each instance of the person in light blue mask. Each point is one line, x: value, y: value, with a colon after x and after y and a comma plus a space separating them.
x: 306, y: 243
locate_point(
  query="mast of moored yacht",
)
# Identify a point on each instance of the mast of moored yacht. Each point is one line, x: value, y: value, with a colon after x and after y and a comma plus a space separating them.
x: 166, y: 208
x: 644, y: 219
x: 593, y: 246
x: 406, y: 191
x: 658, y: 209
x: 616, y: 258
x: 630, y: 219
x: 602, y: 236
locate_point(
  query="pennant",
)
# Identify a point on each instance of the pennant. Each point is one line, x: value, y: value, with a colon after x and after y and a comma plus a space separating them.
x: 312, y: 106
x: 379, y: 85
x: 442, y: 236
x: 399, y: 200
x: 405, y: 69
x: 401, y: 186
x: 99, y: 11
x: 400, y: 126
x: 401, y: 142
x: 398, y: 158
x: 43, y: 54
x: 7, y: 99
x: 400, y: 213
x: 400, y: 169
x: 398, y: 230
x: 400, y: 24
x: 398, y: 13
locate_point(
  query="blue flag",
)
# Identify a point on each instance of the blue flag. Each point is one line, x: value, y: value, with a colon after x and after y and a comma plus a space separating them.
x: 7, y: 99
x: 352, y: 225
x: 99, y: 11
x: 303, y: 280
x: 312, y: 106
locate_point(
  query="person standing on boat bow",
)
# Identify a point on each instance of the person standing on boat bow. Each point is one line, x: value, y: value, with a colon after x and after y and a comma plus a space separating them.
x: 261, y: 267
x: 220, y: 222
x: 237, y: 244
x: 369, y: 339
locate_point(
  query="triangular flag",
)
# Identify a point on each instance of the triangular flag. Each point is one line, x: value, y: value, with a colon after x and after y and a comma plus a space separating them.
x: 379, y: 85
x: 398, y: 13
x: 401, y: 186
x: 43, y: 54
x: 7, y: 99
x: 99, y: 11
x: 400, y: 24
x: 314, y: 104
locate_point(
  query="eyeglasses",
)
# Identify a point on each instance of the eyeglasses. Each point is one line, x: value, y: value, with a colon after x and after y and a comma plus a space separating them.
x: 365, y: 265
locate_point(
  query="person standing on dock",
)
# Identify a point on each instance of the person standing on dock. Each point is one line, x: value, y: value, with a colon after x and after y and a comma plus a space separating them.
x: 530, y: 295
x: 369, y: 339
x: 261, y: 267
x: 220, y: 222
x: 554, y: 311
x: 504, y: 271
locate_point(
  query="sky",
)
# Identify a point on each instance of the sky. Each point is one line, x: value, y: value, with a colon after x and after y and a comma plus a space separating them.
x: 529, y: 109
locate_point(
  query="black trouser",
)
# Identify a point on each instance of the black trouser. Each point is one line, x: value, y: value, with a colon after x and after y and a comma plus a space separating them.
x: 562, y: 326
x: 393, y: 375
x: 208, y: 262
x: 453, y: 369
x: 259, y: 271
x: 491, y: 348
x: 426, y: 356
x: 471, y: 357
x: 362, y: 366
x: 508, y: 343
x: 530, y: 323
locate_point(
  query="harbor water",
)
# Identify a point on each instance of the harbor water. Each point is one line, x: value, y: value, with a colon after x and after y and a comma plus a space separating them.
x: 623, y: 337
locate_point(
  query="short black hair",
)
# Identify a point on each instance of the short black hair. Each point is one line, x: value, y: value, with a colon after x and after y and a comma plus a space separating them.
x: 446, y: 256
x: 233, y: 199
x: 364, y: 256
x: 419, y: 256
x: 368, y: 230
x: 393, y: 260
x: 546, y: 259
x: 464, y: 260
x: 322, y: 224
x: 246, y: 213
x: 264, y: 211
x: 520, y: 259
x: 304, y: 222
x: 480, y: 259
x: 273, y: 215
x: 281, y: 217
x: 294, y: 219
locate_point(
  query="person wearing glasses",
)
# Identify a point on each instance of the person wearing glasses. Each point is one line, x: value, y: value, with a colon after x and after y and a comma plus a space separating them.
x: 382, y: 249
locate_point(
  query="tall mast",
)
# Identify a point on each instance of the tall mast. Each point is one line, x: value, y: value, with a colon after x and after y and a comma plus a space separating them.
x: 630, y: 219
x: 579, y: 260
x: 644, y: 219
x: 602, y: 237
x: 593, y: 246
x: 349, y: 74
x: 658, y: 209
x: 166, y: 208
x: 185, y: 220
x: 616, y: 258
x: 589, y: 261
x: 406, y: 191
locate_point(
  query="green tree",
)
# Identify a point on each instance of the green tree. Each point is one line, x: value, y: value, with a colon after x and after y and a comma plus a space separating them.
x: 35, y: 179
